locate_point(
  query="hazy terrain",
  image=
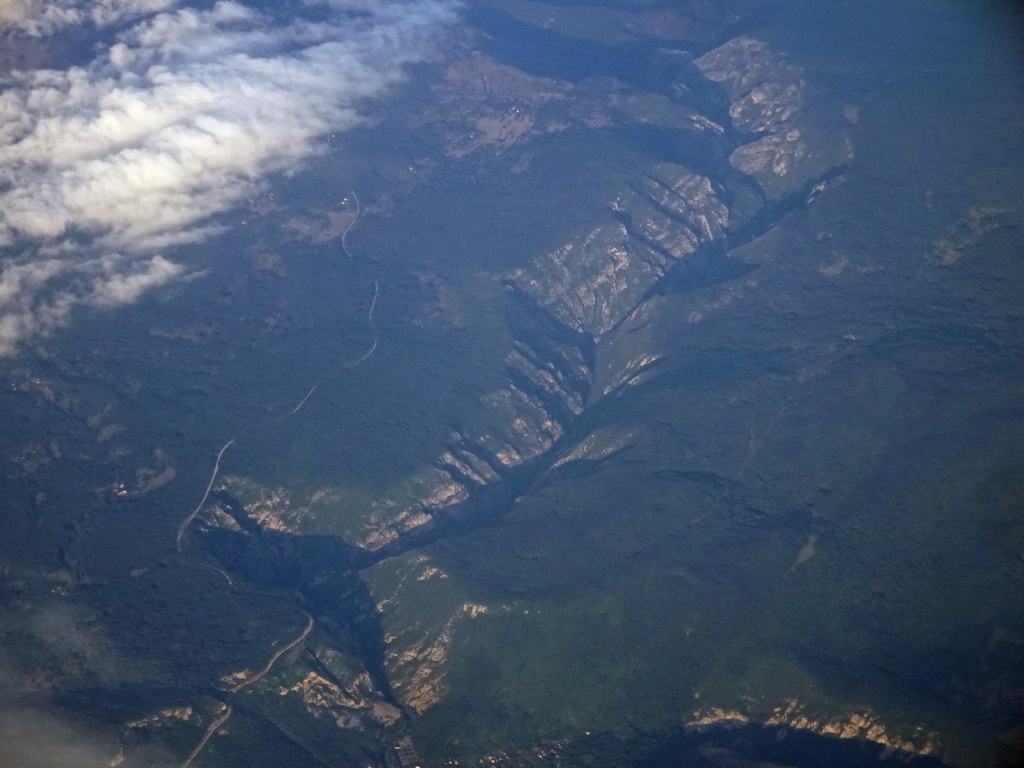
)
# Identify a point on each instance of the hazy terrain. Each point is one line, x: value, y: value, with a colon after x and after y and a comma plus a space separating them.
x: 663, y: 367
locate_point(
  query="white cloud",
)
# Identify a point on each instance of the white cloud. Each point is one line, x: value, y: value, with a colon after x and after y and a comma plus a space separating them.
x: 37, y: 17
x: 118, y: 287
x: 33, y: 739
x: 176, y: 121
x: 41, y: 17
x: 33, y: 735
x: 23, y: 311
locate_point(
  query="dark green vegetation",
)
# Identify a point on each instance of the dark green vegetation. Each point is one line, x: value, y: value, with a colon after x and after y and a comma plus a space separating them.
x: 809, y: 492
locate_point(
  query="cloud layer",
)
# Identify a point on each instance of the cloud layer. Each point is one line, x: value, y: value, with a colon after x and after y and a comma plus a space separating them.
x: 177, y: 120
x: 42, y: 17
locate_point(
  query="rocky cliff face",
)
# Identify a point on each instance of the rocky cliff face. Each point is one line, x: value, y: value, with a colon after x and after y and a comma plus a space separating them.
x: 566, y: 302
x: 569, y: 362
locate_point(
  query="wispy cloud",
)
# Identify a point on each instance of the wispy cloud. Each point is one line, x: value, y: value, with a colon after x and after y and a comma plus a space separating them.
x: 42, y: 17
x: 177, y: 120
x: 33, y: 739
x: 32, y: 733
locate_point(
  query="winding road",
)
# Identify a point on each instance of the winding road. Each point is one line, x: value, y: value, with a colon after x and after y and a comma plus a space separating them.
x: 206, y: 736
x: 206, y: 494
x: 310, y: 622
x: 376, y: 288
x: 216, y: 724
x: 273, y: 659
x: 375, y: 341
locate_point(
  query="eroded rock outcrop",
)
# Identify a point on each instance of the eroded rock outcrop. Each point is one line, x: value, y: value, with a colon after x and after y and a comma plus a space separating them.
x: 569, y: 357
x: 788, y: 142
x: 794, y: 136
